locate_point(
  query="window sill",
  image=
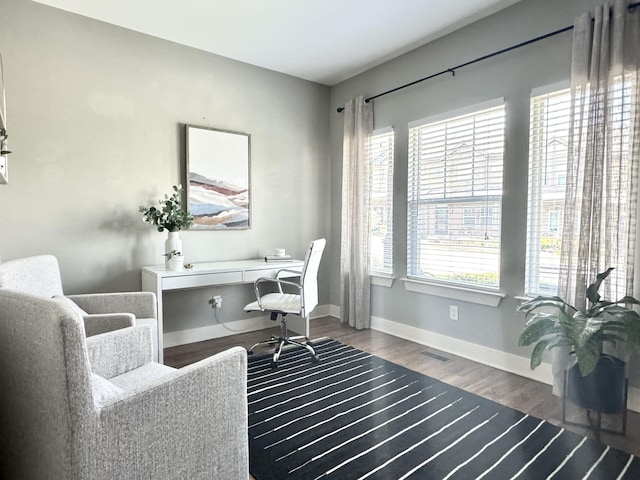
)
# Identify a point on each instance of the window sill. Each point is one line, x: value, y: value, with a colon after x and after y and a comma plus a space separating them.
x: 381, y: 280
x: 522, y: 298
x: 465, y: 294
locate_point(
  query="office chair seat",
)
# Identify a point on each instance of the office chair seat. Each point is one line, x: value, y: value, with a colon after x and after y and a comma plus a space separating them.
x: 277, y: 302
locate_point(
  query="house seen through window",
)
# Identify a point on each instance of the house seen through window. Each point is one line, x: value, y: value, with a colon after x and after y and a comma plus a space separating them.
x: 455, y: 196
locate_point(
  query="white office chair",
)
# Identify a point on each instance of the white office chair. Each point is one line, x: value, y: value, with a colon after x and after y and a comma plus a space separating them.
x: 301, y: 303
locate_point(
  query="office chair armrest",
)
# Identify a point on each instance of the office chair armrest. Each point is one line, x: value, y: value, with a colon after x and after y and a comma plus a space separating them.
x: 290, y: 270
x: 279, y: 282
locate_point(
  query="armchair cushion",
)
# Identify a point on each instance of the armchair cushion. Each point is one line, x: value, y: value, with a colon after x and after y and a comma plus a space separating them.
x: 141, y: 377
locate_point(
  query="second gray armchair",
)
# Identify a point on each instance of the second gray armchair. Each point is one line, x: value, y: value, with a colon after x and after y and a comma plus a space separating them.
x: 102, y: 312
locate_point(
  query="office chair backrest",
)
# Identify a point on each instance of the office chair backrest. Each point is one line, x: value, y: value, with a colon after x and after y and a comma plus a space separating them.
x: 309, y: 277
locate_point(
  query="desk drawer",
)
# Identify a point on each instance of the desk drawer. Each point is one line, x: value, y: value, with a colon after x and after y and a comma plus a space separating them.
x: 204, y: 280
x: 251, y: 276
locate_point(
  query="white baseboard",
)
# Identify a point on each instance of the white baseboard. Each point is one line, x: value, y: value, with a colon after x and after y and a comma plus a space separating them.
x: 200, y: 334
x: 487, y: 356
x: 478, y: 353
x: 193, y: 335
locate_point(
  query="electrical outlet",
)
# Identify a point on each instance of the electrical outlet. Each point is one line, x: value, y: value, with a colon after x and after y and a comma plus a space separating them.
x: 453, y: 312
x: 216, y: 301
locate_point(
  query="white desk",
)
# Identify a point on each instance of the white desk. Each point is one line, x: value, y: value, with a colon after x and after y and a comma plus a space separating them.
x: 158, y: 279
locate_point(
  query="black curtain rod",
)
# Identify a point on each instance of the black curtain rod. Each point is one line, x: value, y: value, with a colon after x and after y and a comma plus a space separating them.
x: 632, y: 7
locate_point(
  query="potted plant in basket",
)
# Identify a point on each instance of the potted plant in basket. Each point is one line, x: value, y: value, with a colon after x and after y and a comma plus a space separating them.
x: 597, y: 378
x: 170, y: 216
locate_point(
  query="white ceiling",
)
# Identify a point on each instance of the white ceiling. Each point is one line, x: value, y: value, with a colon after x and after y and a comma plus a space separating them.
x: 325, y: 41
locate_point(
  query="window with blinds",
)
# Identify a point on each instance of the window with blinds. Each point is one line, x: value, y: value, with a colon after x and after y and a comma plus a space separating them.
x: 455, y: 196
x: 548, y: 144
x: 381, y: 202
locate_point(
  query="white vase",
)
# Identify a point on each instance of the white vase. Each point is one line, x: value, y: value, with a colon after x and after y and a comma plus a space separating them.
x: 172, y: 243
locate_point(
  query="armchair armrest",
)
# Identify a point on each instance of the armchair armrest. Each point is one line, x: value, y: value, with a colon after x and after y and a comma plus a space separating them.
x: 95, y: 324
x: 100, y: 322
x: 141, y: 304
x: 191, y: 423
x: 119, y: 351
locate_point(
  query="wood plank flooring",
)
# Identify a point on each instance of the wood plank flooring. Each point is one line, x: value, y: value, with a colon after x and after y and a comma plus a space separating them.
x: 508, y: 389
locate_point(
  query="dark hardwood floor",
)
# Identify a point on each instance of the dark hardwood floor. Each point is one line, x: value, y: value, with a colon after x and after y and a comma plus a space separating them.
x: 508, y: 389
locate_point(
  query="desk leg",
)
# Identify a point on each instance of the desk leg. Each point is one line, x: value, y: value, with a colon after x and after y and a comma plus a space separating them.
x: 298, y: 325
x: 151, y: 283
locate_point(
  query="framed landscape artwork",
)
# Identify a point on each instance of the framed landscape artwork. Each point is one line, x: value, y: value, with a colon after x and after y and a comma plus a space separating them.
x: 218, y: 179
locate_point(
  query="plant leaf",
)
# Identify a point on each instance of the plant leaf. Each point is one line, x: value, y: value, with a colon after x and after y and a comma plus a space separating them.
x: 592, y: 290
x: 629, y: 299
x: 539, y: 316
x: 537, y: 330
x: 587, y: 358
x: 538, y: 350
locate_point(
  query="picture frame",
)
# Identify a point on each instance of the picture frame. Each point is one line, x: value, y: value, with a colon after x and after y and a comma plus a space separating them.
x: 218, y: 164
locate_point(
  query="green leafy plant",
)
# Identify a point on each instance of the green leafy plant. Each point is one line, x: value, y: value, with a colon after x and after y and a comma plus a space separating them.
x: 170, y: 216
x: 585, y: 332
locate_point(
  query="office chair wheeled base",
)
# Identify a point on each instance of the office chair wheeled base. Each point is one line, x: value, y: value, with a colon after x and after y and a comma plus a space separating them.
x: 285, y: 339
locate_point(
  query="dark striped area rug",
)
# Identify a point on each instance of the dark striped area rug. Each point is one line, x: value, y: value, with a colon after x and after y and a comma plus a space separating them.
x: 357, y: 416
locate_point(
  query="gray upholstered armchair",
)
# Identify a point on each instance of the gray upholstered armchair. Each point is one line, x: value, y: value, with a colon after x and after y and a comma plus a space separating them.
x: 98, y: 408
x: 102, y: 312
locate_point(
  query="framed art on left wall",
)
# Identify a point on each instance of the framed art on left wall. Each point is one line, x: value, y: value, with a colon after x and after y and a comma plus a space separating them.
x: 218, y: 178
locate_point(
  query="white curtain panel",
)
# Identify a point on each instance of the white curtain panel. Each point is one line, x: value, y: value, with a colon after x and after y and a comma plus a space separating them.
x: 354, y: 245
x: 600, y: 214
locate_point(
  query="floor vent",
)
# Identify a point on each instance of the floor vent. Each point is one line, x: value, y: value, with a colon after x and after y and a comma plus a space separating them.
x: 436, y: 356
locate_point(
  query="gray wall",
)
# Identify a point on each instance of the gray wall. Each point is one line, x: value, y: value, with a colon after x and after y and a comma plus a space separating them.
x: 95, y: 116
x: 511, y: 76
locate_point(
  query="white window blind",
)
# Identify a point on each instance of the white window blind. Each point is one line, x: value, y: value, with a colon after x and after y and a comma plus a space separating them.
x: 548, y: 143
x: 455, y: 196
x: 381, y: 202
